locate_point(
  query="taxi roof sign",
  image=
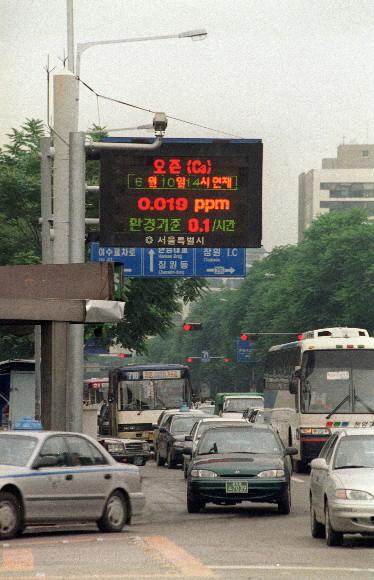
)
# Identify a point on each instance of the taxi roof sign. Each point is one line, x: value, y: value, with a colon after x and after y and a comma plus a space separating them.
x: 28, y: 424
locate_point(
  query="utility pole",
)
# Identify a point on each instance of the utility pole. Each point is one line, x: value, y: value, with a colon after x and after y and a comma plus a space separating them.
x: 65, y: 122
x: 46, y: 214
x: 77, y: 191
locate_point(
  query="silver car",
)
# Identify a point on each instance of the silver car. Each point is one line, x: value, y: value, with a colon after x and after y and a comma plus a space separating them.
x: 49, y: 477
x: 342, y: 486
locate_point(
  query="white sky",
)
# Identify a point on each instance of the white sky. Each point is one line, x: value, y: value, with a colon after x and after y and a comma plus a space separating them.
x: 296, y: 73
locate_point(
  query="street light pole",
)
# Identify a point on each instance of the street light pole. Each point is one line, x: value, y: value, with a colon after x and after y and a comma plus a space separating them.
x: 199, y: 34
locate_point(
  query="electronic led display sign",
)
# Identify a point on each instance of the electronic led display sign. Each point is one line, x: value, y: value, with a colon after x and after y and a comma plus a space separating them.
x: 188, y: 193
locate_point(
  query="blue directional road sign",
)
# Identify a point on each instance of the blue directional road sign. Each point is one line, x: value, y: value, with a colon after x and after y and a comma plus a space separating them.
x: 131, y: 258
x: 174, y: 262
x: 244, y: 351
x: 220, y: 262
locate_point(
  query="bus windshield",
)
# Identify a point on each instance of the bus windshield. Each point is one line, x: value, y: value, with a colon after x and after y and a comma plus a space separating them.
x: 151, y: 394
x: 337, y: 379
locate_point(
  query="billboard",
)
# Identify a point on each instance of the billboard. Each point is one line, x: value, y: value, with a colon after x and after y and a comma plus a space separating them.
x: 192, y: 193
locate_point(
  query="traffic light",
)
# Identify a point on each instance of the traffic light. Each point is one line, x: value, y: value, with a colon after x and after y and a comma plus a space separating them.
x: 189, y: 359
x: 188, y: 326
x: 244, y: 337
x: 125, y: 355
x: 226, y: 359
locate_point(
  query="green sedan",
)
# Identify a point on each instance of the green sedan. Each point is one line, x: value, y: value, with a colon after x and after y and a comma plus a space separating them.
x: 232, y: 464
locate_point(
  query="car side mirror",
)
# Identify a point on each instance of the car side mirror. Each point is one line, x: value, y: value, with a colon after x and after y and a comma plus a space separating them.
x: 162, y: 429
x: 290, y: 451
x: 155, y: 426
x: 319, y: 463
x: 46, y: 461
x: 188, y: 438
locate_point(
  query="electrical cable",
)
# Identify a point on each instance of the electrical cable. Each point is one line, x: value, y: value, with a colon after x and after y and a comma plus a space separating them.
x: 178, y: 119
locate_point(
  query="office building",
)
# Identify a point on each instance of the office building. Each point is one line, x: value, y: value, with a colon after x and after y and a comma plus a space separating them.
x: 344, y: 182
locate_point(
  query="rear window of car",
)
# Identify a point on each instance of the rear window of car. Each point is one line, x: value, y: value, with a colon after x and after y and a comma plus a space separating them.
x: 183, y: 424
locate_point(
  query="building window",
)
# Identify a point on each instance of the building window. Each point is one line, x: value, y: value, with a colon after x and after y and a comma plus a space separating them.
x: 346, y: 205
x: 348, y: 189
x: 365, y: 153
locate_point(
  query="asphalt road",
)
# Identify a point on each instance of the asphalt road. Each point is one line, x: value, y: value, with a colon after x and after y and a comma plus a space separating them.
x: 242, y: 542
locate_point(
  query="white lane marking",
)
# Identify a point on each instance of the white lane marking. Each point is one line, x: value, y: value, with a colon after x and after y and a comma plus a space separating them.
x: 295, y: 568
x: 297, y: 479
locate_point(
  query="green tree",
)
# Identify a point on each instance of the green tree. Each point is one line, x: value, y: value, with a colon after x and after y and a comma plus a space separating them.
x: 20, y: 195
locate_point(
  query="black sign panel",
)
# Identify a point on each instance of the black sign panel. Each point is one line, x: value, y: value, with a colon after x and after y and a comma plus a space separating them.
x: 188, y: 193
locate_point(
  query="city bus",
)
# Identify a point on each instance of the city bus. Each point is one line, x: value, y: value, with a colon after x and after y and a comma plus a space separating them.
x: 320, y: 383
x: 138, y: 394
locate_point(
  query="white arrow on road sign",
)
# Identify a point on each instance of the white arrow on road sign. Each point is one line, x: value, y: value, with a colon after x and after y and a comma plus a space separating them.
x: 151, y: 254
x: 221, y: 270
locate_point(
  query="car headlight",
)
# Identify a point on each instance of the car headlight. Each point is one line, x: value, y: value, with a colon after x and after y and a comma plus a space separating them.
x: 115, y: 448
x: 145, y: 446
x: 271, y: 473
x: 354, y: 494
x: 203, y: 473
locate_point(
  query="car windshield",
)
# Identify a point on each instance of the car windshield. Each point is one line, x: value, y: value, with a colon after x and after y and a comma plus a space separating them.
x: 16, y: 449
x: 183, y: 424
x: 229, y: 440
x: 354, y: 452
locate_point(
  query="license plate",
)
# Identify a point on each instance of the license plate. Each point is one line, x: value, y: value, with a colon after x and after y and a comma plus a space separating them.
x: 236, y: 486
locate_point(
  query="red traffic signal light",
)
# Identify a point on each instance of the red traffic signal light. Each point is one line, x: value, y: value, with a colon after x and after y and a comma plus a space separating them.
x: 226, y: 359
x: 188, y: 326
x: 189, y: 359
x: 124, y: 355
x: 245, y: 337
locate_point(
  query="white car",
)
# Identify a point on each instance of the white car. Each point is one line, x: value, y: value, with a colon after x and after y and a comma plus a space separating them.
x: 342, y: 486
x: 50, y: 477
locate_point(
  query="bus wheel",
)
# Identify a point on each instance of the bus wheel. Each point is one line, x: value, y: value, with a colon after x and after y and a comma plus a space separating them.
x: 159, y: 460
